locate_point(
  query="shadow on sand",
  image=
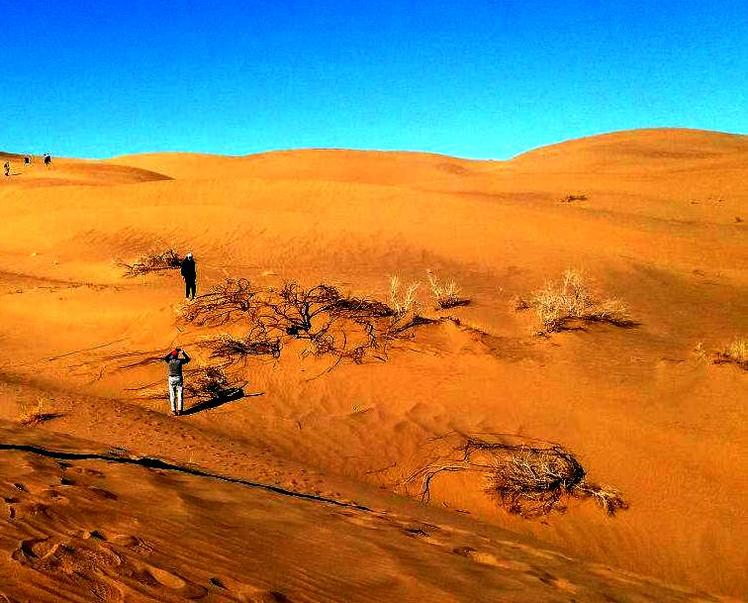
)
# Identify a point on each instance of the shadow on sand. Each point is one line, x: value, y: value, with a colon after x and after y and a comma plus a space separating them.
x: 229, y: 395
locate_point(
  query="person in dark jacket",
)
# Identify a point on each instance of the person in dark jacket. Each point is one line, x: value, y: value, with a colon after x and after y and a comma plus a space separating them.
x: 6, y: 169
x: 176, y: 379
x: 189, y: 274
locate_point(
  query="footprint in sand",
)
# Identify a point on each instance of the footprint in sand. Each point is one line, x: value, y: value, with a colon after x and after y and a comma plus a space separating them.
x: 485, y: 558
x: 155, y: 577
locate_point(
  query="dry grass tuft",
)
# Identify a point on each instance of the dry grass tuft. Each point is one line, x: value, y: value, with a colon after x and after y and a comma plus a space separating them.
x: 403, y: 302
x: 735, y: 353
x: 559, y: 306
x: 153, y: 262
x: 446, y: 295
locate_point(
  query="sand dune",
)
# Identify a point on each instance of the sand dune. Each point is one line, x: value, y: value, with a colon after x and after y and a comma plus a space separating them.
x: 644, y: 408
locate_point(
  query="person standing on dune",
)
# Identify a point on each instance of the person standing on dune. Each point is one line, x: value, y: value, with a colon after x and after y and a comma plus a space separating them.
x: 176, y: 379
x: 189, y: 274
x: 6, y: 168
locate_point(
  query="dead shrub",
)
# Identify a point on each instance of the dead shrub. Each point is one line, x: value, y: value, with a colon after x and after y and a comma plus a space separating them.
x: 255, y: 343
x: 224, y: 303
x: 559, y: 306
x: 447, y: 294
x: 212, y: 383
x: 572, y: 198
x: 153, y: 262
x: 530, y: 480
x: 535, y: 481
x: 734, y: 353
x: 31, y: 417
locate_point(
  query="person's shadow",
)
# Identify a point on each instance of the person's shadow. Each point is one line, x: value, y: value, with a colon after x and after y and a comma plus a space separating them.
x: 219, y: 399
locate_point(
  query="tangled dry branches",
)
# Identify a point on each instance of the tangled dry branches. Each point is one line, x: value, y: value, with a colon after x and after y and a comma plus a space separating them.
x: 224, y: 303
x: 212, y: 383
x: 153, y: 262
x: 255, y: 343
x: 528, y: 480
x: 331, y: 322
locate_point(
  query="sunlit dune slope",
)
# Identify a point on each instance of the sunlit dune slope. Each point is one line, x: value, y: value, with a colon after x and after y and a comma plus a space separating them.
x: 374, y: 167
x: 673, y: 149
x: 657, y: 220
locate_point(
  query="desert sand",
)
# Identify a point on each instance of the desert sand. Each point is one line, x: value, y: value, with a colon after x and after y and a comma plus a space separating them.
x: 298, y: 490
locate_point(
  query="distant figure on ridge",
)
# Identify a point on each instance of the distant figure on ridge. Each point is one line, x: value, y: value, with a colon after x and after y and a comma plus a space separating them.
x: 26, y: 160
x: 176, y: 379
x: 47, y: 159
x: 189, y: 274
x: 6, y: 169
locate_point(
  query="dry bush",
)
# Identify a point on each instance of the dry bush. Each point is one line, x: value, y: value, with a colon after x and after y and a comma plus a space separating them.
x: 153, y: 262
x: 521, y: 304
x: 559, y: 306
x: 535, y: 481
x: 334, y: 324
x: 31, y: 417
x: 572, y: 198
x: 446, y: 295
x: 297, y: 310
x: 255, y: 343
x: 212, y: 383
x: 528, y: 480
x: 224, y: 303
x: 735, y: 353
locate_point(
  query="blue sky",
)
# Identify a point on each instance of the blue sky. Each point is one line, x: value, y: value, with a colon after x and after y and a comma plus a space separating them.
x: 485, y: 79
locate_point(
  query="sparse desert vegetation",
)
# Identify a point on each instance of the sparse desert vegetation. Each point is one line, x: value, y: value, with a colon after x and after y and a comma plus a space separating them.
x: 528, y: 479
x: 153, y: 262
x: 446, y: 294
x: 403, y: 301
x: 561, y: 306
x: 735, y: 353
x: 572, y: 198
x: 330, y: 321
x: 31, y: 416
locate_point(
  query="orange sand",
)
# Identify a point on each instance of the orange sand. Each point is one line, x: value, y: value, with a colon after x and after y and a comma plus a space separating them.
x: 639, y: 408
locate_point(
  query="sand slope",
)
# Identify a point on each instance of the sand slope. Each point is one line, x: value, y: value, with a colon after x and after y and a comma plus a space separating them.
x: 659, y: 229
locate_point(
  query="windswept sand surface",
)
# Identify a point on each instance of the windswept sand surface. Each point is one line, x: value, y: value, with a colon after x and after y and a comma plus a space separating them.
x: 663, y: 228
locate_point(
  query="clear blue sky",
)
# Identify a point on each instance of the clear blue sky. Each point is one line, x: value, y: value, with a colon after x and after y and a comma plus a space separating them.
x: 470, y: 78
